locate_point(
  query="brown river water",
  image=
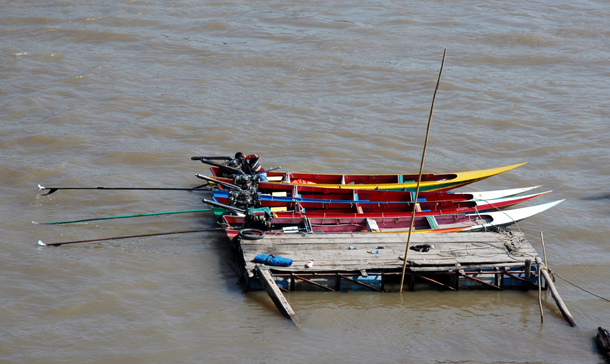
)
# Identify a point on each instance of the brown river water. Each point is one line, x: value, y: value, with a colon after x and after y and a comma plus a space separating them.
x: 123, y: 93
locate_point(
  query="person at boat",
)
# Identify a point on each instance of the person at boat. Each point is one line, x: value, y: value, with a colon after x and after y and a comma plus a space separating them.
x: 250, y: 165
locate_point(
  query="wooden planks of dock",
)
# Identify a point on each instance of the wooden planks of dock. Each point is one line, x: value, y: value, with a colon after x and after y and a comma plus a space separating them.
x: 384, y: 251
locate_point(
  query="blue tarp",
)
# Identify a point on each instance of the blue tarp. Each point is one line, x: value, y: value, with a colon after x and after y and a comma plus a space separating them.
x: 271, y: 259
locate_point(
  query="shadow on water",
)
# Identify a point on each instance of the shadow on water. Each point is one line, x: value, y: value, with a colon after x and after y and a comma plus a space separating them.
x: 597, y: 197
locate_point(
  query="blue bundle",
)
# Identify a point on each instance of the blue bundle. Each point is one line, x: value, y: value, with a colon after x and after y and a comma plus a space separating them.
x: 271, y: 259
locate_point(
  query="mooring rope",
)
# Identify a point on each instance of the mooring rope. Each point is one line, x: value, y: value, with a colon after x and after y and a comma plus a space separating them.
x: 499, y: 210
x: 577, y: 286
x: 520, y: 240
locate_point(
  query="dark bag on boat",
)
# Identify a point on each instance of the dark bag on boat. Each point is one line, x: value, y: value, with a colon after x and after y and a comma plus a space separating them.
x: 422, y: 248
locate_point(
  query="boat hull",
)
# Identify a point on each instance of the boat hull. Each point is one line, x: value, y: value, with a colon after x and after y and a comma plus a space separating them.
x: 421, y: 224
x: 286, y: 206
x: 405, y: 182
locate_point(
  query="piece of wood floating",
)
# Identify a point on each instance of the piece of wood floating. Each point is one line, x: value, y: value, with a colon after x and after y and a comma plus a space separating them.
x: 602, y: 339
x: 266, y: 279
x: 562, y: 307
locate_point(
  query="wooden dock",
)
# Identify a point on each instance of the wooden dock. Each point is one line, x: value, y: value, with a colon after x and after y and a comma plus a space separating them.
x: 375, y: 252
x: 374, y: 261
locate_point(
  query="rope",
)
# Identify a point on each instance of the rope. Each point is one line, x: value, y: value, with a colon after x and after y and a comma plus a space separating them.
x: 575, y: 285
x: 511, y: 242
x: 502, y: 211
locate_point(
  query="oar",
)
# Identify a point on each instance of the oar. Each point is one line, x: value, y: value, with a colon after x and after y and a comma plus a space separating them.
x: 118, y: 217
x: 54, y: 189
x: 127, y: 237
x: 219, y: 165
x: 222, y: 183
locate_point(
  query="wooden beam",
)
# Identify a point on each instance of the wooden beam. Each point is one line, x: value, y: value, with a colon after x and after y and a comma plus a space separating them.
x: 435, y: 282
x: 562, y: 307
x: 266, y: 279
x: 528, y: 272
x: 481, y: 281
x: 447, y: 268
x: 360, y: 283
x: 314, y: 283
x: 519, y: 278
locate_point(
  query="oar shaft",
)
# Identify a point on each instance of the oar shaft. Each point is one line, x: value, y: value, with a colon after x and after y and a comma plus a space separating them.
x: 219, y: 165
x: 222, y: 157
x: 125, y: 188
x: 223, y: 206
x: 222, y: 183
x: 128, y: 237
x: 120, y: 217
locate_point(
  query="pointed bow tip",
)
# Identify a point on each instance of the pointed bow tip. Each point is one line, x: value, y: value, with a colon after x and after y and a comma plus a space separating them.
x: 35, y: 222
x: 40, y: 188
x: 41, y: 243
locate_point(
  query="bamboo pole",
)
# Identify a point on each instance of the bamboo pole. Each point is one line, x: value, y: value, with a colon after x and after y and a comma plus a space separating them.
x: 528, y: 273
x: 543, y: 249
x: 421, y: 168
x: 540, y: 294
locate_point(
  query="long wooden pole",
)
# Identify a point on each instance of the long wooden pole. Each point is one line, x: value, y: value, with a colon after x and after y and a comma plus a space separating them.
x: 562, y: 307
x: 421, y: 168
x: 543, y: 249
x: 540, y: 293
